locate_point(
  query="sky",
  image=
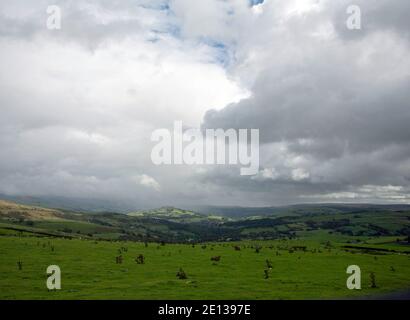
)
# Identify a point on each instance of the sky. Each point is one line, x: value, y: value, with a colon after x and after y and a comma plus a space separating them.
x: 78, y: 105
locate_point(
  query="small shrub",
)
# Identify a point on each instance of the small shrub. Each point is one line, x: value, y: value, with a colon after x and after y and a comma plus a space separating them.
x: 372, y: 280
x: 140, y: 259
x: 181, y: 274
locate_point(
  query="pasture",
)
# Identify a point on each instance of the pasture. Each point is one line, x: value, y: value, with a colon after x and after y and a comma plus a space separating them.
x: 90, y: 269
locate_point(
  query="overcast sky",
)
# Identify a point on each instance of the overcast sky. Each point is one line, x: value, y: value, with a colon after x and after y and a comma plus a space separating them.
x: 78, y: 105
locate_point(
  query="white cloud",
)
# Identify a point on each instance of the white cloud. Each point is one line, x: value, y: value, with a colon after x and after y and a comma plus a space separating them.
x: 149, y: 182
x: 368, y: 193
x: 266, y: 174
x: 300, y: 174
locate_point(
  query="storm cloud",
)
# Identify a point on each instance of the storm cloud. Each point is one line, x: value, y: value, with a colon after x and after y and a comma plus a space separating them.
x: 78, y: 105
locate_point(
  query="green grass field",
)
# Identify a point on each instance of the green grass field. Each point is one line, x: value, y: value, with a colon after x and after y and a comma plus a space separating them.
x: 89, y: 269
x: 308, y: 253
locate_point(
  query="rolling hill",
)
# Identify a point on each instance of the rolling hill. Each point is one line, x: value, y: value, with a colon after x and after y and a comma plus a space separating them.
x: 170, y: 224
x: 14, y: 211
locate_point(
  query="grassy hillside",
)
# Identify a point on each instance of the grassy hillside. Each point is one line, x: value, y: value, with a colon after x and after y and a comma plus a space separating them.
x: 178, y: 225
x: 165, y: 224
x: 302, y: 255
x: 14, y: 211
x: 301, y: 209
x: 177, y: 215
x: 89, y: 269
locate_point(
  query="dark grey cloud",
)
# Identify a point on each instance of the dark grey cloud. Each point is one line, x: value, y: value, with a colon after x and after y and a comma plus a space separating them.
x: 342, y: 105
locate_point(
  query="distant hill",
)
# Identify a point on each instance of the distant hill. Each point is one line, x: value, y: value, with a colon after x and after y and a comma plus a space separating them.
x: 11, y: 210
x: 241, y: 212
x: 177, y: 215
x: 164, y: 224
x: 71, y: 203
x: 169, y: 224
x: 234, y: 212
